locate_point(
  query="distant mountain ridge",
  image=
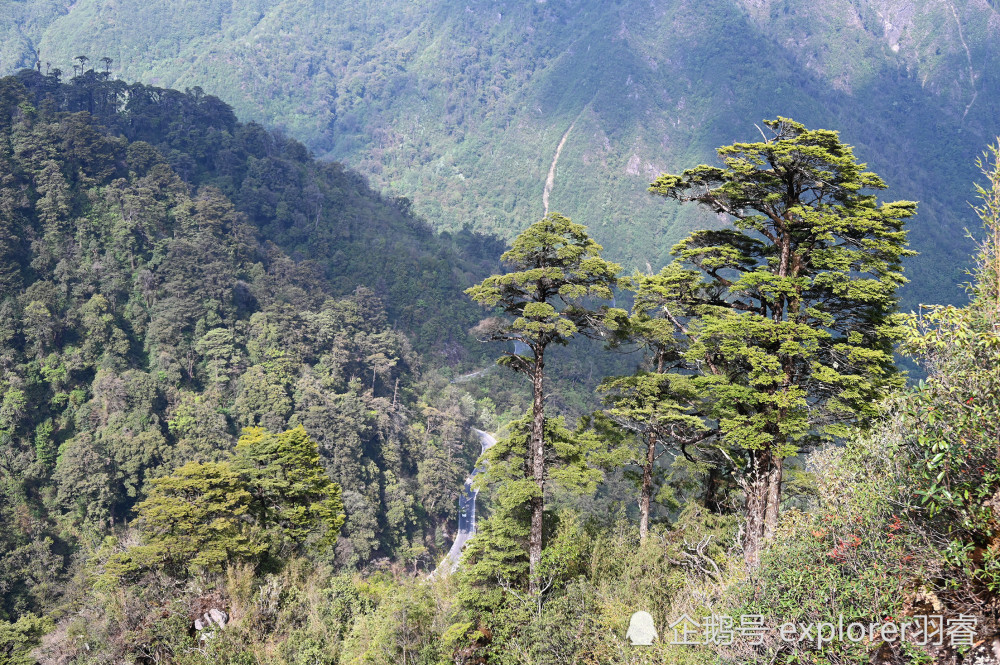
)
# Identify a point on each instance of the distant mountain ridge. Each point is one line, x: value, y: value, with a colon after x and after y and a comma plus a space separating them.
x: 460, y: 106
x: 323, y: 215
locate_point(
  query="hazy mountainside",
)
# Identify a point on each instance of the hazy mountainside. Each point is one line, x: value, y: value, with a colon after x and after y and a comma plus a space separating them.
x: 22, y: 25
x: 324, y: 216
x: 461, y: 106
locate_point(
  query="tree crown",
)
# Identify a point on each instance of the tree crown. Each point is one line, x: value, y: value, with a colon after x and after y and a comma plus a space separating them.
x: 792, y: 304
x: 555, y: 266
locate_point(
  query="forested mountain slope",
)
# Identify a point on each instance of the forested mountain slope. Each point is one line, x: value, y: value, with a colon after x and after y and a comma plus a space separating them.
x: 461, y: 106
x: 144, y: 321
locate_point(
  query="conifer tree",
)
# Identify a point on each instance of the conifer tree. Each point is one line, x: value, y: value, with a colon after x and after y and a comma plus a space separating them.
x: 791, y: 304
x: 194, y: 520
x: 555, y: 267
x: 657, y: 407
x: 291, y: 492
x: 498, y: 553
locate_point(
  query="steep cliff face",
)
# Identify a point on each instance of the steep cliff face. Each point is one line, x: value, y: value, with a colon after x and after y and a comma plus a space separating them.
x: 460, y: 106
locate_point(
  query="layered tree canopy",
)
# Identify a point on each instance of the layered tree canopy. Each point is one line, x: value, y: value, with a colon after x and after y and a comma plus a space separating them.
x: 791, y: 305
x: 147, y: 316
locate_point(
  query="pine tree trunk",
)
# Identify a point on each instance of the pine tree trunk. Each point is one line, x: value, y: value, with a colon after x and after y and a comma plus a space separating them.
x: 537, y: 457
x: 647, y: 487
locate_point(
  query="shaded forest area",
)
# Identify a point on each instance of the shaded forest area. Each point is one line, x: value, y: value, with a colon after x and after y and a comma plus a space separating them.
x: 323, y: 216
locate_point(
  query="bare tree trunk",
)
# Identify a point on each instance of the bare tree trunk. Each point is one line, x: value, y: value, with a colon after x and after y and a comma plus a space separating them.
x: 774, y: 476
x: 537, y: 457
x: 647, y: 487
x: 756, y: 489
x: 711, y: 496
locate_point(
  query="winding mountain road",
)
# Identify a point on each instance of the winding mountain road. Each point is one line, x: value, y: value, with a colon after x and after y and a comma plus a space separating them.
x: 466, y: 511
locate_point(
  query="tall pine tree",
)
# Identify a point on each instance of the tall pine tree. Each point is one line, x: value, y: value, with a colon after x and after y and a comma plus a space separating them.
x: 791, y: 303
x: 555, y: 268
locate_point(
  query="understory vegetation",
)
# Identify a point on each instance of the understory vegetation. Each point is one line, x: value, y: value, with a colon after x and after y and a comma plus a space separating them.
x: 240, y: 388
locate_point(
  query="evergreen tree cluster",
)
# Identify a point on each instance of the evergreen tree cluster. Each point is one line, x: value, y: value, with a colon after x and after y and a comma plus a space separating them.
x: 319, y: 213
x: 146, y: 323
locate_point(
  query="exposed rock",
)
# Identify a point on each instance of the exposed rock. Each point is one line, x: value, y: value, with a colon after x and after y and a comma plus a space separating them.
x: 218, y: 617
x: 213, y: 618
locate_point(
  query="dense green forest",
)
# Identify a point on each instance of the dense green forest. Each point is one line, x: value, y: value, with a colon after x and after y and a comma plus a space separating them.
x: 318, y: 213
x: 240, y: 387
x: 460, y: 106
x: 239, y: 383
x: 150, y: 316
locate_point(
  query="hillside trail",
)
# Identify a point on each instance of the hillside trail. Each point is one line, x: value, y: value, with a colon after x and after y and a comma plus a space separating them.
x: 550, y: 181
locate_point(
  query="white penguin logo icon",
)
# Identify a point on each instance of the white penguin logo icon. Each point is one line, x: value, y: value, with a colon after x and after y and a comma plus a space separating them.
x: 641, y: 631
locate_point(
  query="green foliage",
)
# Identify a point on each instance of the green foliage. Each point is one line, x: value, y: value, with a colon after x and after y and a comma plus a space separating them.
x: 656, y: 413
x: 317, y: 211
x: 209, y: 515
x: 194, y: 520
x: 905, y: 522
x: 461, y: 112
x: 147, y: 315
x: 822, y: 570
x: 291, y: 491
x: 19, y: 638
x: 555, y: 266
x: 403, y: 628
x: 792, y: 310
x: 797, y: 299
x: 952, y: 416
x: 169, y: 276
x: 648, y: 402
x: 500, y: 550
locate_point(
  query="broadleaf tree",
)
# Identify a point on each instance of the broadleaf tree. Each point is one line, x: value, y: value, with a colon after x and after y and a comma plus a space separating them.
x: 950, y: 423
x: 791, y: 304
x: 556, y: 271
